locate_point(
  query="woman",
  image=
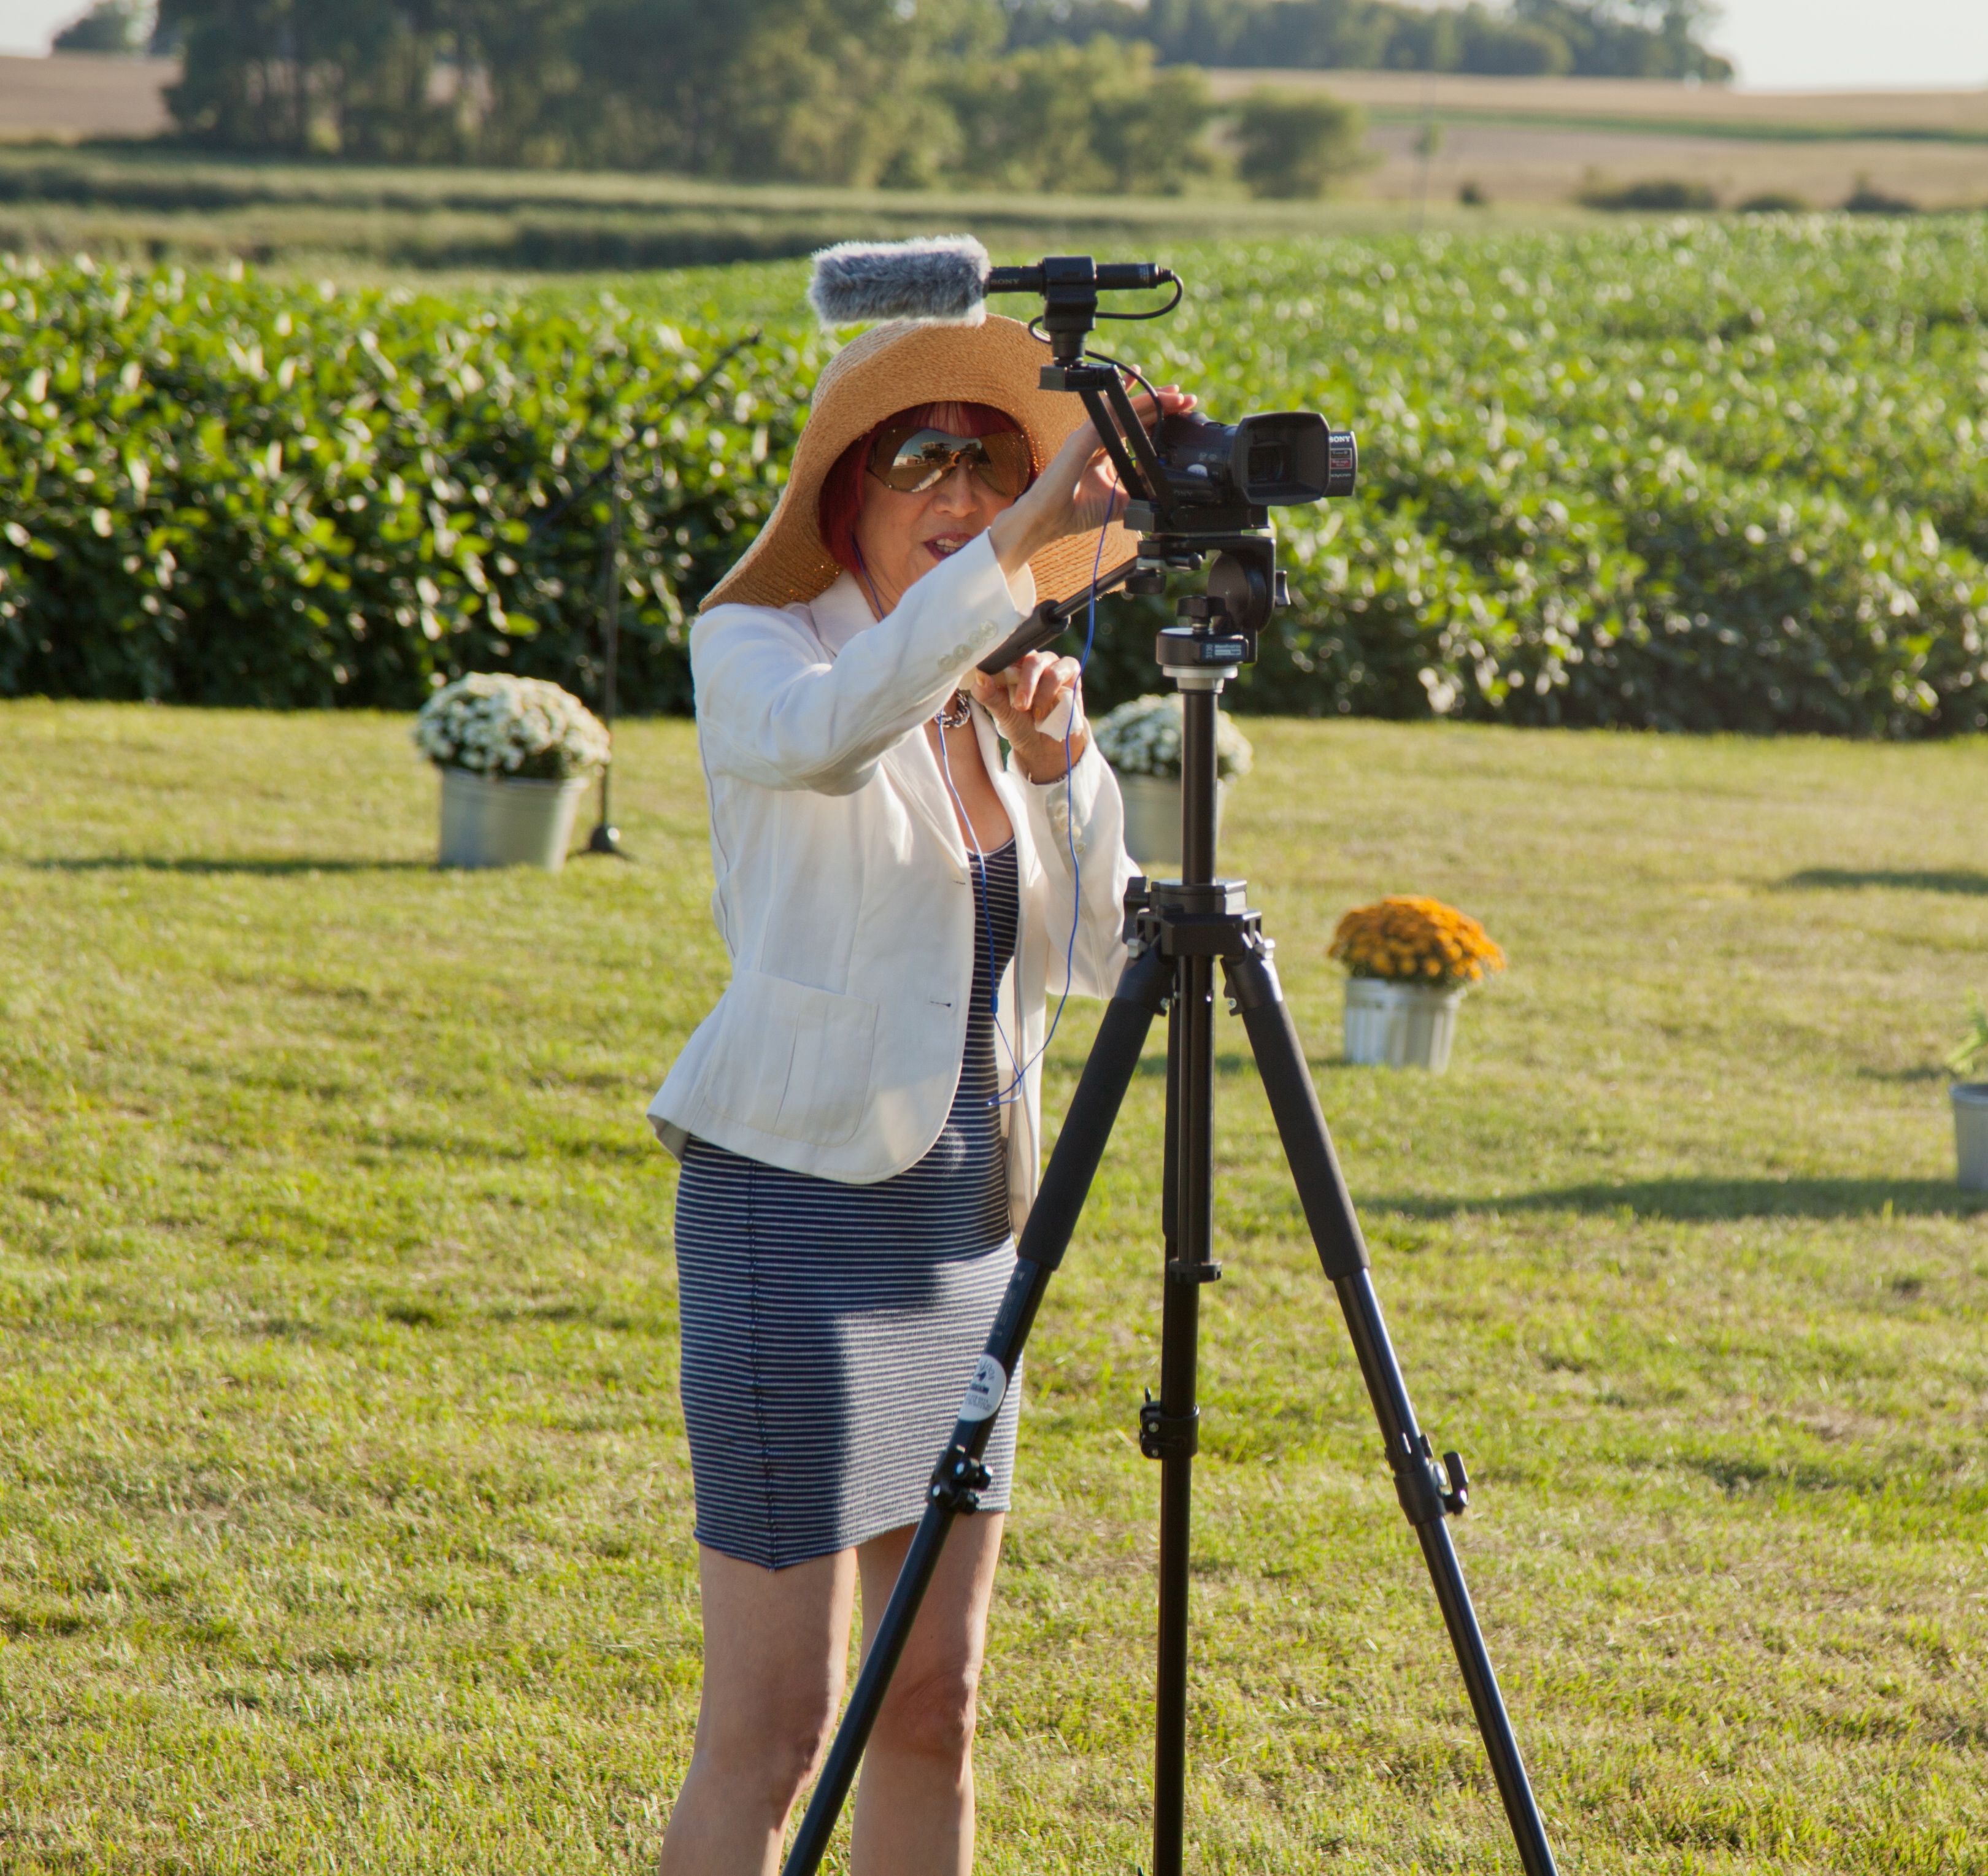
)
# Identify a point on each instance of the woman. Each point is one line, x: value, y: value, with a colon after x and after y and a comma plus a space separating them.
x: 858, y: 1118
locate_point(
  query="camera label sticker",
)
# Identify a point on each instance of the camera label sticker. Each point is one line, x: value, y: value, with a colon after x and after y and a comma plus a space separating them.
x: 985, y: 1391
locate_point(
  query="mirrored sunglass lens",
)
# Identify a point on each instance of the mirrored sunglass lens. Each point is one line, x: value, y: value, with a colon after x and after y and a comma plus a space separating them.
x: 1006, y: 456
x: 924, y: 460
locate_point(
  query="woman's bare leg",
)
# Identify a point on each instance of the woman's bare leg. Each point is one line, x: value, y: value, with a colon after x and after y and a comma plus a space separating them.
x: 915, y: 1806
x: 775, y: 1643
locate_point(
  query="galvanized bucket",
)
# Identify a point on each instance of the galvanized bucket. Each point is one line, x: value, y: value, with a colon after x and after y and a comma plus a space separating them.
x: 491, y: 821
x: 1153, y: 817
x: 1400, y: 1025
x: 1970, y: 1132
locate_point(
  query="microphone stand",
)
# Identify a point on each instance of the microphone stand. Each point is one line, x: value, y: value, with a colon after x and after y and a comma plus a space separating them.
x: 605, y: 838
x: 1177, y: 931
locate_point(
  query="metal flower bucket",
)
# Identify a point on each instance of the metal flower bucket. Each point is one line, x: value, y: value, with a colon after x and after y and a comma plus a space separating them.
x: 1153, y: 817
x: 1400, y: 1025
x: 501, y: 821
x: 1970, y: 1132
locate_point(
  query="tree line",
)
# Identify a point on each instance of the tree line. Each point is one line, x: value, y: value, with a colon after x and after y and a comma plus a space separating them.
x: 1585, y: 38
x: 1076, y: 95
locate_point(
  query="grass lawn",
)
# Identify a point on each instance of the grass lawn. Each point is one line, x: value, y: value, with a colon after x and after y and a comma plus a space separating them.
x: 344, y: 1510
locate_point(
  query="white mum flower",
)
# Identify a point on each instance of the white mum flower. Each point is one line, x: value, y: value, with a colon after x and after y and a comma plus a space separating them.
x: 1143, y: 738
x: 493, y: 724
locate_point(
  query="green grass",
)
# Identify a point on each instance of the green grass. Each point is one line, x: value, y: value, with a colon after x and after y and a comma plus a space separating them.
x: 344, y: 1513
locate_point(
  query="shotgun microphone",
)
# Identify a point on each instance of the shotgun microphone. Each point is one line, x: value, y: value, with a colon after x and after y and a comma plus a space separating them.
x: 940, y: 279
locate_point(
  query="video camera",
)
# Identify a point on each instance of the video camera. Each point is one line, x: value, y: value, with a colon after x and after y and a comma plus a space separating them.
x: 1197, y: 488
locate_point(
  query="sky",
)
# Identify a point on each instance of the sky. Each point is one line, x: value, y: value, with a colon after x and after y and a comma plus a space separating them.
x: 1781, y: 45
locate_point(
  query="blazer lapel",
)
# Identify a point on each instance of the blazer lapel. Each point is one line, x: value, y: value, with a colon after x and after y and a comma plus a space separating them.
x: 838, y: 615
x: 914, y: 772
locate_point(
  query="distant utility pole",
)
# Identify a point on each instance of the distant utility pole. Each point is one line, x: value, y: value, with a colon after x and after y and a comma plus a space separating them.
x: 1427, y: 142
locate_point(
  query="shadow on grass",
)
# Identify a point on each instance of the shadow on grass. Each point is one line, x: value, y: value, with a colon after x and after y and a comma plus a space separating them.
x: 1687, y: 1199
x: 1959, y: 880
x: 122, y: 863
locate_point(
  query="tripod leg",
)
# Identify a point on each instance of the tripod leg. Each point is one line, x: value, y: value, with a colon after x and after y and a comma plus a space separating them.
x: 958, y: 1477
x: 1427, y: 1490
x: 1168, y: 1426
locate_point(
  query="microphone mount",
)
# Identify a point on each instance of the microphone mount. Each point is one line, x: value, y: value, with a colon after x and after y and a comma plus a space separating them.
x: 1069, y: 284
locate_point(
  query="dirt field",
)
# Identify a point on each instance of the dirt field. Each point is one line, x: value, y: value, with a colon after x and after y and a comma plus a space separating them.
x: 78, y: 95
x: 1865, y: 113
x: 1547, y: 139
x: 1521, y: 163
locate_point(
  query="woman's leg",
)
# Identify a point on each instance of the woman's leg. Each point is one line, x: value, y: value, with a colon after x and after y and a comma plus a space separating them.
x: 775, y: 1642
x: 915, y: 1806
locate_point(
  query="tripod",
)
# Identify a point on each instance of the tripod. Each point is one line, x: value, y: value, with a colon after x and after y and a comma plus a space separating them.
x: 1178, y: 932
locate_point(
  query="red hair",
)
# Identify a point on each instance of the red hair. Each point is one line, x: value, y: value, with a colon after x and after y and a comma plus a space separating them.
x: 840, y: 501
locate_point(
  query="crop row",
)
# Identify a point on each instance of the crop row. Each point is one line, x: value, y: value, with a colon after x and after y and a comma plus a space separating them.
x: 1692, y: 475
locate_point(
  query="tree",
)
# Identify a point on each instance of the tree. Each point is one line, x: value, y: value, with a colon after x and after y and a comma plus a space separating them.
x: 122, y: 26
x: 1078, y: 119
x: 1627, y: 39
x: 1631, y: 38
x: 1296, y: 144
x: 828, y: 90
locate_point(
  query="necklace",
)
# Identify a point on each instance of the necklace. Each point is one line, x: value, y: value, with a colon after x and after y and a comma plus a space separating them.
x: 955, y: 713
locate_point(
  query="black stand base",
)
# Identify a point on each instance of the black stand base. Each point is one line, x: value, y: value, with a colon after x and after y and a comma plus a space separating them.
x: 607, y: 840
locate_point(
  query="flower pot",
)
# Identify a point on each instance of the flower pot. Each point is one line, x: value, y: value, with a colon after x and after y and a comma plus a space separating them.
x: 1153, y: 817
x: 501, y: 821
x: 1402, y: 1026
x: 1970, y: 1132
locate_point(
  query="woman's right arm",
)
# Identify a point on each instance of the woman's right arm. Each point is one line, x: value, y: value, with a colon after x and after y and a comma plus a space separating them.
x: 772, y: 710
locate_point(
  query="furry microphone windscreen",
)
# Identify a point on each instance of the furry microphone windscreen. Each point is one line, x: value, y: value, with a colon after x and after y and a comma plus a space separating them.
x: 941, y: 278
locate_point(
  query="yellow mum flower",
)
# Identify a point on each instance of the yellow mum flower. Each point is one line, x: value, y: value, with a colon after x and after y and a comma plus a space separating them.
x: 1411, y: 937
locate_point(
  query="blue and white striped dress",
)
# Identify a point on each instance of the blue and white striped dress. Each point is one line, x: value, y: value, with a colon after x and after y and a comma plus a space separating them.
x: 830, y: 1331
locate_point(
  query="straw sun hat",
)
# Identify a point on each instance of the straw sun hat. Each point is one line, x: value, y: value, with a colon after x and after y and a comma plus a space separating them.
x: 894, y: 367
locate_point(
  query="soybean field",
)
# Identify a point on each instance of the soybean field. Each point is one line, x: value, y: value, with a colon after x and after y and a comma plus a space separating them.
x: 1687, y: 475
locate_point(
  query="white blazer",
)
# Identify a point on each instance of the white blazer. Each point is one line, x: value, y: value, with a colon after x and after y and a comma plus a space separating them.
x: 843, y: 894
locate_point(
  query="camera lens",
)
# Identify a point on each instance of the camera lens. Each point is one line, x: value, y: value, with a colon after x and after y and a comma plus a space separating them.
x: 1280, y: 458
x: 1266, y: 464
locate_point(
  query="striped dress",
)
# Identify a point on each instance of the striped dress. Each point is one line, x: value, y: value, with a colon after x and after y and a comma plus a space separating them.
x: 830, y: 1331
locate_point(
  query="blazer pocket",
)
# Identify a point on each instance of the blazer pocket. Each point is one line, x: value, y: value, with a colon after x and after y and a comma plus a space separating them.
x: 792, y: 1060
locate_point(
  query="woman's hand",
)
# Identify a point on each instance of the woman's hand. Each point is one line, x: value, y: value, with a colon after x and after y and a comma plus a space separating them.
x: 1025, y: 702
x: 1079, y: 491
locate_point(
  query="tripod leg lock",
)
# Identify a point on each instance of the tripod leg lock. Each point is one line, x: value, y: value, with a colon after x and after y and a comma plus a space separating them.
x: 1168, y: 1436
x: 957, y: 1480
x: 1429, y: 1491
x: 1252, y: 978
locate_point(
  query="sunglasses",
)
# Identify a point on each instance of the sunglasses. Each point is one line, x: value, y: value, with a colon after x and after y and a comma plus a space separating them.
x: 913, y: 461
